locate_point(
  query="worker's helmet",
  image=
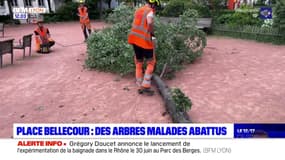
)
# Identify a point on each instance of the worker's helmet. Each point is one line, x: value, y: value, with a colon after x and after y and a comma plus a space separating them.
x: 155, y: 2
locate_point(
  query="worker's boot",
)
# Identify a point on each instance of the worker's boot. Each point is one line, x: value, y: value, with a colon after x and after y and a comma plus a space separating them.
x: 146, y: 91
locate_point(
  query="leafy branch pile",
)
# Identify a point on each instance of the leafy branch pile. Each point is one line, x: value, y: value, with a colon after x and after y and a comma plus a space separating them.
x: 182, y: 102
x: 177, y: 44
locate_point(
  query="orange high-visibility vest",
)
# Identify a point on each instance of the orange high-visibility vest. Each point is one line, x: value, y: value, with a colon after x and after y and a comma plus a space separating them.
x: 231, y: 4
x: 83, y: 14
x: 43, y: 35
x: 139, y: 34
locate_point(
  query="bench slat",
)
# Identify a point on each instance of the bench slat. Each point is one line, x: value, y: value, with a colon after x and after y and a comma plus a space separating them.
x: 2, y: 29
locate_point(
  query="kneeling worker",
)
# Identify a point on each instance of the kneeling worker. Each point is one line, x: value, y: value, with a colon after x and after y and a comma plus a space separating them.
x: 43, y: 39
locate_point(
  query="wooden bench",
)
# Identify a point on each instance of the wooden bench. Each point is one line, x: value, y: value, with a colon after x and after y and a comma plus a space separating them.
x: 25, y: 42
x: 202, y: 23
x: 6, y: 47
x: 2, y: 29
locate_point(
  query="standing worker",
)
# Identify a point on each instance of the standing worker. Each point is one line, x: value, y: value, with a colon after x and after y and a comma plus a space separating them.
x: 43, y: 38
x: 84, y: 20
x: 141, y: 36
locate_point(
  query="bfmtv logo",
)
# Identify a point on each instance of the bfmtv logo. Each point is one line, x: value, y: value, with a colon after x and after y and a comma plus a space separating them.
x: 20, y: 16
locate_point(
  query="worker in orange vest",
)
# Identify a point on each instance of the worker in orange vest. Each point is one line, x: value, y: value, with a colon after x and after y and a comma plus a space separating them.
x: 141, y: 37
x: 84, y: 20
x: 42, y: 37
x: 231, y: 4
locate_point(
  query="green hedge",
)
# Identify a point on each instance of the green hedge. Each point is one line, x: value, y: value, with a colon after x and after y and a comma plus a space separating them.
x: 279, y: 12
x: 269, y: 35
x: 237, y: 18
x: 175, y: 8
x: 6, y: 19
x: 68, y: 12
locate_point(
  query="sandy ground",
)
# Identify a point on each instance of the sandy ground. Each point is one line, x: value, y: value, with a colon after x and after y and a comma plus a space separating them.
x: 234, y: 81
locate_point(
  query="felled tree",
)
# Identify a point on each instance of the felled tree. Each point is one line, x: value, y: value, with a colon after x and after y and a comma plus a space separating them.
x: 177, y: 44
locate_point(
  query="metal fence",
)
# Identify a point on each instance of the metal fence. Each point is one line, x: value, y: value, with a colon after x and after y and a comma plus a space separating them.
x: 271, y: 35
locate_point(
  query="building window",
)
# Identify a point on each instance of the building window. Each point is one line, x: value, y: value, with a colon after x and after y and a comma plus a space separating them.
x: 28, y: 3
x: 14, y: 2
x: 41, y: 2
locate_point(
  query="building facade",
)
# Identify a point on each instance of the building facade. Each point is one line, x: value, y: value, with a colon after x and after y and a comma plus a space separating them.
x: 54, y: 5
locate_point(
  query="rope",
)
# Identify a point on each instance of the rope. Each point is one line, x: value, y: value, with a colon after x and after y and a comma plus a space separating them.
x: 75, y: 44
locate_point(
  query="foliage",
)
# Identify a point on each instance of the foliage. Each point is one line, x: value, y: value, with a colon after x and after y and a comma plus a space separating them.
x: 108, y: 53
x: 176, y: 7
x: 245, y: 23
x: 268, y: 23
x: 176, y: 44
x: 93, y: 10
x: 108, y: 49
x: 50, y: 17
x: 182, y: 102
x: 203, y: 10
x: 121, y: 13
x: 279, y: 20
x: 239, y: 18
x: 6, y: 19
x: 218, y: 4
x: 68, y: 12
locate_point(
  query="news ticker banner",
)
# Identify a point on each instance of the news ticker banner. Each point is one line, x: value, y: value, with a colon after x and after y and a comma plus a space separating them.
x: 144, y: 141
x: 209, y: 131
x: 143, y: 149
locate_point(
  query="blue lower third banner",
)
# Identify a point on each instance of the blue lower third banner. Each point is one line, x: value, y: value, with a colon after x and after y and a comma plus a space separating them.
x: 208, y: 131
x: 259, y: 130
x: 144, y: 141
x: 123, y: 131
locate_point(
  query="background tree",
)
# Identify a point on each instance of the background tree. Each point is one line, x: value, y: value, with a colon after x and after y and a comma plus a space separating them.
x: 109, y: 2
x: 101, y: 8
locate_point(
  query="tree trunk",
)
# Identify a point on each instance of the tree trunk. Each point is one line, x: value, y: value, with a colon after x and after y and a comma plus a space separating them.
x: 109, y: 4
x: 101, y: 8
x: 49, y: 7
x: 10, y: 10
x: 177, y: 117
